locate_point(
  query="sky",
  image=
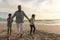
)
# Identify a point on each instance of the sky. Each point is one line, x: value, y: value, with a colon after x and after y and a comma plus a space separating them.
x: 43, y: 9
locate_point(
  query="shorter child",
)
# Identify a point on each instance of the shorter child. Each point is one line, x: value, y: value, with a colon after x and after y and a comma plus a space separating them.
x: 32, y: 25
x: 9, y: 24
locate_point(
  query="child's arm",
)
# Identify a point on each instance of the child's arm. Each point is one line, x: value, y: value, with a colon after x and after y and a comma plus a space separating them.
x: 11, y: 20
x: 34, y: 20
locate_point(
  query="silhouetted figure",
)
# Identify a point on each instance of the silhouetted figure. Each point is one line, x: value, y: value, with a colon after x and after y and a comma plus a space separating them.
x: 19, y: 14
x: 32, y: 25
x: 9, y: 24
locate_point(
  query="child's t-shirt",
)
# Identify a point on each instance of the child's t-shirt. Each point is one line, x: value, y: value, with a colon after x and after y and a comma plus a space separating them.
x: 32, y: 21
x: 9, y: 22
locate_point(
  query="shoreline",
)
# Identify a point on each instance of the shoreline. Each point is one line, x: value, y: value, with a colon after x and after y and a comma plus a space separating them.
x: 46, y: 28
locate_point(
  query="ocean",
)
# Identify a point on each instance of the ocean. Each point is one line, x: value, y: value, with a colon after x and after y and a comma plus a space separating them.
x: 51, y: 26
x: 42, y: 22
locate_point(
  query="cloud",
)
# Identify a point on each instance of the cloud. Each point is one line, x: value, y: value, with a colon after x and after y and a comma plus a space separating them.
x: 32, y: 2
x: 25, y: 1
x: 33, y: 5
x: 44, y: 8
x: 14, y: 3
x: 8, y: 3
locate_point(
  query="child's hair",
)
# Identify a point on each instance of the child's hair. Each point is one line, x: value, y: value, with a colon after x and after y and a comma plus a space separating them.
x: 33, y: 15
x: 9, y: 14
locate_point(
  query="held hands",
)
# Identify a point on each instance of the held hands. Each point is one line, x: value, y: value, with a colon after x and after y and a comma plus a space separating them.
x: 29, y: 20
x: 11, y: 20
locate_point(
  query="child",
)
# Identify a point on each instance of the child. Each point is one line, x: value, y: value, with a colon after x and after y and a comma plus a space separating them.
x: 9, y: 24
x: 32, y: 26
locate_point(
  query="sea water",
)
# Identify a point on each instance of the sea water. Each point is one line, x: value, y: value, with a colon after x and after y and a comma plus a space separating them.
x: 42, y: 22
x: 52, y: 26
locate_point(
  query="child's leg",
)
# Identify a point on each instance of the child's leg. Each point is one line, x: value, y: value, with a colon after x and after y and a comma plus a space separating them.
x: 31, y: 29
x: 34, y: 29
x: 8, y: 32
x: 10, y: 27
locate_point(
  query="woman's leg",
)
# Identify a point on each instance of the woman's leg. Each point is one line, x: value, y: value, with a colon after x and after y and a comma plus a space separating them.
x: 21, y: 29
x: 17, y: 27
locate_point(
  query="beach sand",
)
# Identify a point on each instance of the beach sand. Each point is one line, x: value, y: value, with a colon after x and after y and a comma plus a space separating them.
x: 43, y: 32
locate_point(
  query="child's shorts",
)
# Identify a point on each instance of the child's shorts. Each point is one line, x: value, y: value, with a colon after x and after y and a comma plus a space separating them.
x: 9, y: 27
